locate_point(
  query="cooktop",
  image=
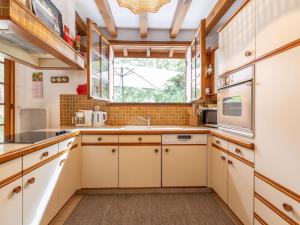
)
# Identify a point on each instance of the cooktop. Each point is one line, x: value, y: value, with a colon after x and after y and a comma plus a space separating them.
x: 31, y: 137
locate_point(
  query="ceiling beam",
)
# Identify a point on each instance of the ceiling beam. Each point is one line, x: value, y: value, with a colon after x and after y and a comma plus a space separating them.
x: 143, y: 24
x: 125, y: 52
x: 105, y: 11
x: 171, y: 53
x: 148, y: 52
x: 218, y: 11
x: 181, y: 10
x: 80, y: 25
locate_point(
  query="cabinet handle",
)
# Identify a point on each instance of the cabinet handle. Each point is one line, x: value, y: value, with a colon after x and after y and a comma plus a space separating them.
x: 287, y: 207
x: 223, y: 157
x: 248, y: 53
x: 69, y: 144
x: 218, y: 142
x: 62, y: 161
x: 166, y: 150
x: 31, y: 180
x: 140, y: 139
x: 156, y: 150
x: 17, y: 190
x: 238, y: 150
x: 230, y: 162
x: 99, y: 139
x: 45, y: 154
x: 113, y: 150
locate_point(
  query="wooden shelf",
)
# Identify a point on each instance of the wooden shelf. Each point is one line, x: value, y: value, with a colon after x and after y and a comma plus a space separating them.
x: 25, y: 24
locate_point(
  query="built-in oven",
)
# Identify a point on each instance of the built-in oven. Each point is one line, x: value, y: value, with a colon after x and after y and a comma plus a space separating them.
x: 235, y: 102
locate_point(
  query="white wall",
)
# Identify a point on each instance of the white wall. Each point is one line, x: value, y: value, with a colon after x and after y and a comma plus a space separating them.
x: 52, y: 92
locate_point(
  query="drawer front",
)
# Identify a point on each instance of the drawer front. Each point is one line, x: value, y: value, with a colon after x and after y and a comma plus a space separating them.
x: 38, y: 156
x: 66, y: 144
x: 219, y: 142
x: 140, y: 138
x: 278, y: 199
x: 10, y: 168
x: 241, y: 151
x: 99, y: 138
x: 267, y: 214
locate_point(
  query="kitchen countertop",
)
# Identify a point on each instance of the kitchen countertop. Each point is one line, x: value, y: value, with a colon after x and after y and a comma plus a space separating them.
x: 12, y: 151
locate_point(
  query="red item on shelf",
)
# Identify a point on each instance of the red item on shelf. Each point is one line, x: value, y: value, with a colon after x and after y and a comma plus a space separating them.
x: 67, y: 36
x: 82, y: 89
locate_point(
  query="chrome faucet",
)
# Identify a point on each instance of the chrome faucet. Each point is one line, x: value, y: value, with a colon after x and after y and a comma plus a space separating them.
x: 147, y: 119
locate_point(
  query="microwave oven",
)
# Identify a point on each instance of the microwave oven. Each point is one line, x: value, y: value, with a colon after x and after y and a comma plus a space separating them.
x: 208, y: 117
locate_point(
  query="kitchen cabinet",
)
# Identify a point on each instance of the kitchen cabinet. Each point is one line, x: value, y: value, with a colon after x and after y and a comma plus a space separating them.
x: 139, y: 166
x: 219, y: 173
x: 240, y: 189
x: 100, y: 166
x: 98, y: 63
x: 184, y: 166
x: 237, y: 39
x: 11, y: 202
x: 282, y: 18
x: 38, y: 186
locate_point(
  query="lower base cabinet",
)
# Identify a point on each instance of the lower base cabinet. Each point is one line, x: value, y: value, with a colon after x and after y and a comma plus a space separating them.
x: 184, y: 166
x: 219, y: 173
x: 38, y: 186
x: 11, y: 202
x: 100, y: 166
x: 139, y: 166
x: 240, y: 190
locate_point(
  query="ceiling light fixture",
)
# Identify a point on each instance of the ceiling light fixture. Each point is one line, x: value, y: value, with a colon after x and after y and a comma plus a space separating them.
x: 143, y: 6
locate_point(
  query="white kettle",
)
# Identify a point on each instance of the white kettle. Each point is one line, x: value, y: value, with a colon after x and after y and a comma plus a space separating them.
x: 99, y: 118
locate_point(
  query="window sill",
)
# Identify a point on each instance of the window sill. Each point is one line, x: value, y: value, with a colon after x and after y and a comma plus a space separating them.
x: 112, y: 104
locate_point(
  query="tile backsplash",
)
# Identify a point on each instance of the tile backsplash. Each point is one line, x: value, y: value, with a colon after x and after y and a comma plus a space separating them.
x: 118, y: 114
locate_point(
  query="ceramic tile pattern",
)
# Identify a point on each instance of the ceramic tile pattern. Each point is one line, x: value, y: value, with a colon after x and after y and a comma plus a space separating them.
x: 125, y: 115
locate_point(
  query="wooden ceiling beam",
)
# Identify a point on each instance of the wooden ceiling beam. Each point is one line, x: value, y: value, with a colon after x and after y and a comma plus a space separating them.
x: 180, y: 13
x: 80, y: 25
x: 218, y: 11
x: 143, y: 25
x: 105, y: 11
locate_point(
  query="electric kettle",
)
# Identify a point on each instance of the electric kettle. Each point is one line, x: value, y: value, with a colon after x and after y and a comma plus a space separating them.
x: 99, y: 118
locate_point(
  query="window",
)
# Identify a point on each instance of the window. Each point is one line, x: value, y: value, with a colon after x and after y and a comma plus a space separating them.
x: 149, y: 80
x: 2, y: 101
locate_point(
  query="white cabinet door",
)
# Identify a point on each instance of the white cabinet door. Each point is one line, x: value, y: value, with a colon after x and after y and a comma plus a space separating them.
x: 277, y: 24
x: 70, y: 178
x: 11, y: 203
x: 241, y: 189
x: 139, y: 166
x: 184, y: 166
x: 100, y: 166
x: 38, y: 186
x: 277, y: 139
x: 237, y: 40
x: 219, y: 173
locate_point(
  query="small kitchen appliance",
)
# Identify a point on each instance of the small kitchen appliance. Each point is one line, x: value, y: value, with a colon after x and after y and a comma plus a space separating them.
x: 208, y: 117
x: 83, y: 118
x: 99, y: 118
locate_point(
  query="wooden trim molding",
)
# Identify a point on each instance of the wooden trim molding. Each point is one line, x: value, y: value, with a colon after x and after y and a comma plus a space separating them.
x: 10, y: 179
x: 275, y: 209
x: 241, y: 159
x: 35, y: 147
x: 164, y: 145
x: 259, y: 219
x: 233, y: 140
x: 278, y: 186
x: 99, y: 144
x: 140, y: 144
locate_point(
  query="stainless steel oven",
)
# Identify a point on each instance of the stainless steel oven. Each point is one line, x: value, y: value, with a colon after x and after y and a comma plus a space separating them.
x: 235, y: 102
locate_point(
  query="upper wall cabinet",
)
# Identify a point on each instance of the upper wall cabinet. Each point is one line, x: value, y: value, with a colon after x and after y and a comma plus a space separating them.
x: 98, y: 63
x: 278, y: 27
x: 237, y: 38
x: 27, y: 39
